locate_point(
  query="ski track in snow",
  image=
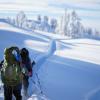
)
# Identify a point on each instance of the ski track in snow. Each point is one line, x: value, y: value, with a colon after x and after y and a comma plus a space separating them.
x: 39, y: 61
x: 93, y: 94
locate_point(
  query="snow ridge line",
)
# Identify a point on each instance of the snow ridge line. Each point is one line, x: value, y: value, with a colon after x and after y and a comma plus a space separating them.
x: 41, y: 59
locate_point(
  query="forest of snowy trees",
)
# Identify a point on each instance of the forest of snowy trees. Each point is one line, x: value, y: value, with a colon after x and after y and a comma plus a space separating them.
x: 69, y: 25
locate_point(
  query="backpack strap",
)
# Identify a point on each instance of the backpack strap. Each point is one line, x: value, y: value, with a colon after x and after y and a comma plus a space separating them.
x: 1, y: 63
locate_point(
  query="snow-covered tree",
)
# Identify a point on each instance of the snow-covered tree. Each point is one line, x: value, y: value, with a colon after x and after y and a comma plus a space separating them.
x: 53, y: 25
x: 13, y: 21
x: 20, y: 19
x: 96, y: 33
x: 66, y: 23
x: 45, y: 26
x: 8, y: 20
x: 38, y: 23
x: 39, y: 19
x: 74, y: 24
x: 90, y: 32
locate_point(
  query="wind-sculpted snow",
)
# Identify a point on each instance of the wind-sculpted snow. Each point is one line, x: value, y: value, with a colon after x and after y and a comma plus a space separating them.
x: 41, y: 59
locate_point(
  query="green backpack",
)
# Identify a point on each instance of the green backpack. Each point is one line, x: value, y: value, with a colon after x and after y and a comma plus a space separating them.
x: 11, y: 74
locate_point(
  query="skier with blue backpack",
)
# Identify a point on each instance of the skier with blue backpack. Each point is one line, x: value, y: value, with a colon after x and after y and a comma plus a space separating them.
x: 16, y: 68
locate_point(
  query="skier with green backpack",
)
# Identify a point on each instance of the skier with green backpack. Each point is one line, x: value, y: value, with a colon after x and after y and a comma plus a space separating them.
x: 11, y: 73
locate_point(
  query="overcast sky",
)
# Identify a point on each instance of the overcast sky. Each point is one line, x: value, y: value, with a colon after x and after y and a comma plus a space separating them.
x: 88, y: 10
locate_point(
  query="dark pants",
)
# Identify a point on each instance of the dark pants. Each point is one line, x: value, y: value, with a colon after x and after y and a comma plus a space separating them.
x: 25, y: 84
x: 15, y: 90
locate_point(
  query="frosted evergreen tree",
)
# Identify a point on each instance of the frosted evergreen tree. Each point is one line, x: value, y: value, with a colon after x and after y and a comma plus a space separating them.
x: 75, y: 25
x: 53, y: 25
x: 20, y: 19
x: 96, y: 33
x: 90, y: 32
x: 39, y: 19
x: 45, y: 25
x: 66, y: 23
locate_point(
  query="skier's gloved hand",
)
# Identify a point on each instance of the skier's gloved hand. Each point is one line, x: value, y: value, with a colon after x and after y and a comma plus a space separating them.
x: 30, y: 74
x: 23, y: 70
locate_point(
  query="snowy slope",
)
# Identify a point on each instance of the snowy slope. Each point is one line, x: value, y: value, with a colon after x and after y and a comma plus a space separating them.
x: 74, y: 71
x: 67, y: 69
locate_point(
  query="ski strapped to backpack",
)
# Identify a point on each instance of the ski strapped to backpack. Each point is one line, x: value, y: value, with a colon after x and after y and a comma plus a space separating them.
x: 11, y: 74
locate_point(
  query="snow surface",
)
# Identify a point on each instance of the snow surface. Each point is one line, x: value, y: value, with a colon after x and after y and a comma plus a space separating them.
x: 66, y: 69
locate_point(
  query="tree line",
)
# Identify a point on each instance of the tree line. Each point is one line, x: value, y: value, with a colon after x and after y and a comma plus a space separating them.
x: 69, y: 24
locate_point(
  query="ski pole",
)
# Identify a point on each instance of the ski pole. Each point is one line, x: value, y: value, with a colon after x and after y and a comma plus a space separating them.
x: 39, y: 83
